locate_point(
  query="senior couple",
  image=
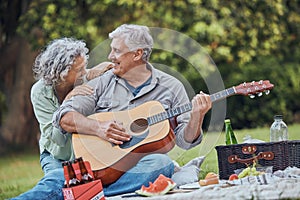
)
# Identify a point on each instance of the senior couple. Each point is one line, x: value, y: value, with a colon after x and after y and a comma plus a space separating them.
x: 62, y: 103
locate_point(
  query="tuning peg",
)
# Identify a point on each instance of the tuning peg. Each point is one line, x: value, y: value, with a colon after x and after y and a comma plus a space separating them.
x: 260, y: 94
x: 267, y: 92
x: 251, y: 96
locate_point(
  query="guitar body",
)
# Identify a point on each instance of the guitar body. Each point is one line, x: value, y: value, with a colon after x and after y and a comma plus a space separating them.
x: 110, y: 161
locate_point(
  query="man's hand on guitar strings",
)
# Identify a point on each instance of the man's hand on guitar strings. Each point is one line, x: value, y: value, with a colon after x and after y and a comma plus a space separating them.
x: 113, y: 132
x: 201, y: 103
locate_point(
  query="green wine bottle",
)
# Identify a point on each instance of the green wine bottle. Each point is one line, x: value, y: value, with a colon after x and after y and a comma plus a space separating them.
x: 229, y: 134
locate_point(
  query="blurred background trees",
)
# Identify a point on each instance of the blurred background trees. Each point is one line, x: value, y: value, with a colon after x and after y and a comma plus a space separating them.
x: 247, y: 40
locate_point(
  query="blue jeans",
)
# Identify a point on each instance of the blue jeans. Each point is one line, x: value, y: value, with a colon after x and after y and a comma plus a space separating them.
x: 147, y: 169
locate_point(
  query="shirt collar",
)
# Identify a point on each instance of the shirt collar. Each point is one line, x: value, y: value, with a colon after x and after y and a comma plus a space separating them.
x: 48, y: 92
x: 155, y: 77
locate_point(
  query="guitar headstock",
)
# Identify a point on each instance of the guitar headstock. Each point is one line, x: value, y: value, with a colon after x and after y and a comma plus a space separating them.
x: 253, y: 88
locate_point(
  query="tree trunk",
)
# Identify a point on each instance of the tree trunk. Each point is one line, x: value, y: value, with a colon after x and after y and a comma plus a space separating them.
x: 19, y: 128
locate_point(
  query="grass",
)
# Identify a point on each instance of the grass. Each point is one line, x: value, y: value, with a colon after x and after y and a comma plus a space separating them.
x: 20, y: 172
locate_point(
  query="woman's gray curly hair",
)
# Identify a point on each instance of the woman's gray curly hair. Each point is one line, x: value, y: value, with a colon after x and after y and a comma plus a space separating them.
x: 135, y: 37
x: 54, y: 63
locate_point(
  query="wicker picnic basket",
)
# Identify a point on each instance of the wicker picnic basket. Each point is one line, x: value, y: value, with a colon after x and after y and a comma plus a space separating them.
x: 277, y: 154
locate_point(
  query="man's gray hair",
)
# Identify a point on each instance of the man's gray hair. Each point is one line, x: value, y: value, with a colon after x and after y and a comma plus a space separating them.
x: 54, y: 63
x: 135, y: 37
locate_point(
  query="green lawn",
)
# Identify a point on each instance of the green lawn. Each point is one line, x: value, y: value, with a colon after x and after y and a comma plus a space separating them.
x: 20, y: 172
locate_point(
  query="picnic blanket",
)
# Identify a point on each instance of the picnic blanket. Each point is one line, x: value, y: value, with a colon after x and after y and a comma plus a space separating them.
x: 284, y: 185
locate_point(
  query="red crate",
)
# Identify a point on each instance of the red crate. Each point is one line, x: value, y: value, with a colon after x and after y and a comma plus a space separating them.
x: 88, y: 191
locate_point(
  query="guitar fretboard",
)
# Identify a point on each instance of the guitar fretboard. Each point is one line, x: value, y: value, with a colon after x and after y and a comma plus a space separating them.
x: 169, y: 113
x: 222, y: 94
x: 187, y: 107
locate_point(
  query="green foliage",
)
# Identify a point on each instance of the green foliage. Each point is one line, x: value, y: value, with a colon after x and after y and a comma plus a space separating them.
x: 248, y: 40
x: 283, y: 99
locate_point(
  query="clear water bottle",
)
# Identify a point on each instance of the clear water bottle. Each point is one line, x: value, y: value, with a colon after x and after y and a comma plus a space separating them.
x: 278, y: 130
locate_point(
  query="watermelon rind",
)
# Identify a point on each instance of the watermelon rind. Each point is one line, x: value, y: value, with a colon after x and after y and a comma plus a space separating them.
x: 150, y: 194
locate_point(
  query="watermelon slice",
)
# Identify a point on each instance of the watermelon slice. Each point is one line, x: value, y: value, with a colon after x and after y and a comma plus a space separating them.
x: 161, y: 186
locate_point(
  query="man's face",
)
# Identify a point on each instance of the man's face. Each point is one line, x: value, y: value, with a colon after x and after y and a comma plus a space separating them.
x: 121, y: 56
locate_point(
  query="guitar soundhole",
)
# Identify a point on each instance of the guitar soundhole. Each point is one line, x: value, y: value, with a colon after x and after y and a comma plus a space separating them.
x: 139, y: 125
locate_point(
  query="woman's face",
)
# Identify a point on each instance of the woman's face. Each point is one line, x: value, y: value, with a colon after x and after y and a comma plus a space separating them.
x: 77, y: 71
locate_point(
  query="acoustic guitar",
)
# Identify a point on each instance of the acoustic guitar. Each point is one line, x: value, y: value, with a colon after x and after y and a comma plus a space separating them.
x: 149, y: 127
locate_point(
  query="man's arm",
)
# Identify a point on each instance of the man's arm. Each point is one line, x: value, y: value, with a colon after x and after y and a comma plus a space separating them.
x: 108, y: 130
x: 189, y: 125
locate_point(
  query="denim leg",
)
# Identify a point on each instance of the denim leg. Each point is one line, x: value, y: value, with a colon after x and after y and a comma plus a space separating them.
x: 49, y: 163
x: 50, y: 186
x: 145, y: 171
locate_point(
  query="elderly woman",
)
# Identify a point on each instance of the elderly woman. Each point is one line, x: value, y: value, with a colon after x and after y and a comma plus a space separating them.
x: 58, y: 69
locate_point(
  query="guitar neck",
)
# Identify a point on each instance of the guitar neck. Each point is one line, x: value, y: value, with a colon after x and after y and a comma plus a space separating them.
x: 222, y: 94
x: 188, y: 107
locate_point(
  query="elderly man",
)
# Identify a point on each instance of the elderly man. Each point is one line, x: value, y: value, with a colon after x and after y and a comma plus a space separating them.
x: 132, y: 82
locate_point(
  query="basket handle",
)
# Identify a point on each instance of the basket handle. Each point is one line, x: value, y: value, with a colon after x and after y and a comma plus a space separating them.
x: 249, y: 149
x: 261, y: 155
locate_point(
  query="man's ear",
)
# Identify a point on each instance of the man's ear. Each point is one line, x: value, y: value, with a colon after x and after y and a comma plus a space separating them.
x: 138, y: 54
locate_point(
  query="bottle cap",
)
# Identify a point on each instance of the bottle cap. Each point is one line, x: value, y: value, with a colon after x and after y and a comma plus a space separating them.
x: 64, y: 163
x: 227, y: 121
x: 278, y: 117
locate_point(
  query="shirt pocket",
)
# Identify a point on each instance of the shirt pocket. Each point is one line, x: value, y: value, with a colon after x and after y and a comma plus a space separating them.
x: 106, y: 105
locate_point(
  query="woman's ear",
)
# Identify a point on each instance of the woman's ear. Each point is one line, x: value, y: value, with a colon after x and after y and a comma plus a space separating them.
x: 138, y: 54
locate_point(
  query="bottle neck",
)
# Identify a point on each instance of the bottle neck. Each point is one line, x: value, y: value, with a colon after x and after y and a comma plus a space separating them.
x: 228, y: 125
